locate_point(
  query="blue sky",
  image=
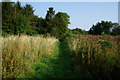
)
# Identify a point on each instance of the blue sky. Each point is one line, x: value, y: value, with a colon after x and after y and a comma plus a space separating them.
x: 82, y: 14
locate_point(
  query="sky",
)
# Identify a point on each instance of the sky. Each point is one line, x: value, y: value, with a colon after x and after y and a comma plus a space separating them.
x: 64, y: 0
x: 82, y: 14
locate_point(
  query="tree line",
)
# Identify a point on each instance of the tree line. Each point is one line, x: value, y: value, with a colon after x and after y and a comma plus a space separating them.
x: 18, y: 20
x: 105, y: 27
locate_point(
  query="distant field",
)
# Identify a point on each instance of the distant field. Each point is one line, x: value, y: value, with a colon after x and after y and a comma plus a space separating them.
x: 83, y: 56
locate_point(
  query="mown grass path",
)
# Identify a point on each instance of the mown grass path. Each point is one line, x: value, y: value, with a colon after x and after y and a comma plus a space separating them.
x: 58, y: 66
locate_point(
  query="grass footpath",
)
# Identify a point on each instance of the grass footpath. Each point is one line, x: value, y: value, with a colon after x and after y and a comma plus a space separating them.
x: 58, y: 66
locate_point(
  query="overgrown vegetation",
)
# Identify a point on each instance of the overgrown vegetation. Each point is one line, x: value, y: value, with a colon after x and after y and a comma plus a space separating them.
x: 96, y: 57
x: 19, y: 53
x: 84, y: 57
x: 36, y: 47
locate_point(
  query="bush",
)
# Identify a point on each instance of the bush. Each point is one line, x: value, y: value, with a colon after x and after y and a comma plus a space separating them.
x: 106, y: 44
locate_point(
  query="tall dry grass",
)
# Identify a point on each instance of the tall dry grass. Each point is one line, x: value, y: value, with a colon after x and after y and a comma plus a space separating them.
x: 19, y: 52
x: 92, y: 57
x: 96, y: 55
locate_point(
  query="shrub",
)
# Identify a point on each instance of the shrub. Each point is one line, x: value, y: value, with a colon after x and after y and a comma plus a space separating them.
x: 106, y: 43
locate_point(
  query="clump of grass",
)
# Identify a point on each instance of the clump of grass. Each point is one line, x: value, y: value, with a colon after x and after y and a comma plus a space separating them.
x: 20, y: 52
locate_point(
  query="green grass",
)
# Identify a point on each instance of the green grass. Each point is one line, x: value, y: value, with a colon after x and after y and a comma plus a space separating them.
x: 57, y: 66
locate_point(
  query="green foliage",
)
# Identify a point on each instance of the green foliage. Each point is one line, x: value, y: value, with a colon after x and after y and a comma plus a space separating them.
x: 7, y: 16
x: 42, y: 68
x: 59, y: 24
x: 28, y: 11
x: 48, y: 20
x: 54, y: 24
x: 79, y: 31
x: 106, y: 43
x: 116, y: 30
x: 99, y: 28
x: 97, y: 56
x: 50, y: 14
x: 20, y: 20
x: 57, y: 66
x: 21, y: 25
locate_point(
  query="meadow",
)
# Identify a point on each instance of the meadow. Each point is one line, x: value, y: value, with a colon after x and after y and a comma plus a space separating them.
x: 49, y: 46
x: 80, y: 56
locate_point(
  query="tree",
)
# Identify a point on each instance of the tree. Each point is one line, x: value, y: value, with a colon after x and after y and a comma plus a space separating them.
x: 21, y: 25
x: 7, y: 16
x: 102, y: 27
x: 50, y: 14
x: 18, y: 19
x: 28, y: 10
x: 79, y: 31
x: 116, y: 29
x: 29, y: 13
x: 48, y: 19
x: 60, y: 24
x: 41, y: 26
x: 17, y: 8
